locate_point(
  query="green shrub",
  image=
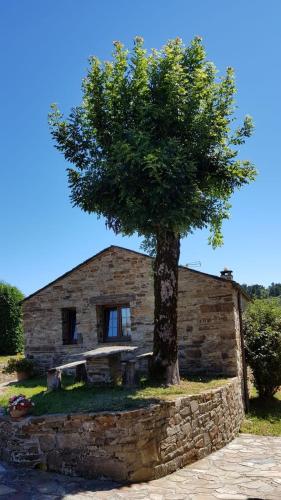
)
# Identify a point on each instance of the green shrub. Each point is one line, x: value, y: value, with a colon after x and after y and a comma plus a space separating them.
x: 11, y: 328
x: 19, y: 365
x: 262, y: 331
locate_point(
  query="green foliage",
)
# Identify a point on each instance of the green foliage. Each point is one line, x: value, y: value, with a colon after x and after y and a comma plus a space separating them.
x: 19, y: 365
x: 11, y: 329
x: 261, y: 292
x: 256, y: 291
x: 274, y: 290
x: 262, y: 330
x: 152, y: 143
x: 149, y: 245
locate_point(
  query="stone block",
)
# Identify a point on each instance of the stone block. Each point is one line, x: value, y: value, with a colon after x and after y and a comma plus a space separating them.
x: 186, y: 429
x: 47, y: 442
x: 194, y: 406
x: 67, y: 440
x: 142, y: 474
x: 54, y: 461
x: 93, y: 467
x: 149, y: 453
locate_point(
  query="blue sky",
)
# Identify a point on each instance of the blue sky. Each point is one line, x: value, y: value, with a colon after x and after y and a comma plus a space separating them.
x: 45, y: 47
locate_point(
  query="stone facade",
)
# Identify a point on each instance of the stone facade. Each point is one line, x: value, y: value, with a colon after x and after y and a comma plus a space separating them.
x: 208, y: 312
x: 134, y: 445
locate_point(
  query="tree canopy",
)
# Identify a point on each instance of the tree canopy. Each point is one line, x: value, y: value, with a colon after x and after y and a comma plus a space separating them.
x: 261, y: 292
x: 11, y: 329
x: 152, y: 143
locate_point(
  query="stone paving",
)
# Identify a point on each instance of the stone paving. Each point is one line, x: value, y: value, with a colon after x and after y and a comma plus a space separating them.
x: 249, y: 468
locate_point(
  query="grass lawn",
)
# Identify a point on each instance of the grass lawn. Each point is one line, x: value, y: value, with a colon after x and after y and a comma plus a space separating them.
x: 264, y: 418
x: 77, y: 397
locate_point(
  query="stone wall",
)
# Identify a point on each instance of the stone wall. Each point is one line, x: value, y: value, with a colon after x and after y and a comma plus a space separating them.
x: 209, y: 335
x: 208, y: 324
x: 132, y: 445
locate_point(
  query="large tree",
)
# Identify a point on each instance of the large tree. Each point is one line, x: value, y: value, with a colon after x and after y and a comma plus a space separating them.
x: 154, y: 152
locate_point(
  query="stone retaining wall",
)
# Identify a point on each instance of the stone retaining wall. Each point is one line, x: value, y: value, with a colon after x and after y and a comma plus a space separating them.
x: 132, y: 445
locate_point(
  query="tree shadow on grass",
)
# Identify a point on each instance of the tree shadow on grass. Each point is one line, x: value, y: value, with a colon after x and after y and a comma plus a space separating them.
x: 267, y: 409
x: 34, y: 381
x: 79, y: 397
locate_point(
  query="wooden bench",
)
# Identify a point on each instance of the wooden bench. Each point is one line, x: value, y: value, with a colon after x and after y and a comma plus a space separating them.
x: 129, y: 368
x: 146, y: 356
x: 54, y: 374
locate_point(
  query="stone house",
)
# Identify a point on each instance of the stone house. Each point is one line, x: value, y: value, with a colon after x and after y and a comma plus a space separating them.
x: 109, y: 299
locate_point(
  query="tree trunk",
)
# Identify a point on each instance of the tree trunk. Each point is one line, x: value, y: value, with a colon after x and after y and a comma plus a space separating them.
x: 165, y: 349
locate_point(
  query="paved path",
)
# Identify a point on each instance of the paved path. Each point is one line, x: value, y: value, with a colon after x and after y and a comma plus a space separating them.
x: 248, y: 468
x: 5, y: 378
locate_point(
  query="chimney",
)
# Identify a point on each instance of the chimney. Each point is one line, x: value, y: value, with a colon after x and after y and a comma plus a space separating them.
x: 227, y: 274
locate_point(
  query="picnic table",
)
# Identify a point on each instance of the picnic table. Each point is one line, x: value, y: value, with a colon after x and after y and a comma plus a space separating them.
x: 105, y: 364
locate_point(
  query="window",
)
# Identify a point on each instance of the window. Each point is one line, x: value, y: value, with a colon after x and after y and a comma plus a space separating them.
x: 117, y: 322
x: 69, y: 333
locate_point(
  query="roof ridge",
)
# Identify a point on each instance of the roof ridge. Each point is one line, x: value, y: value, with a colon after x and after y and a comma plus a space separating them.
x: 236, y: 285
